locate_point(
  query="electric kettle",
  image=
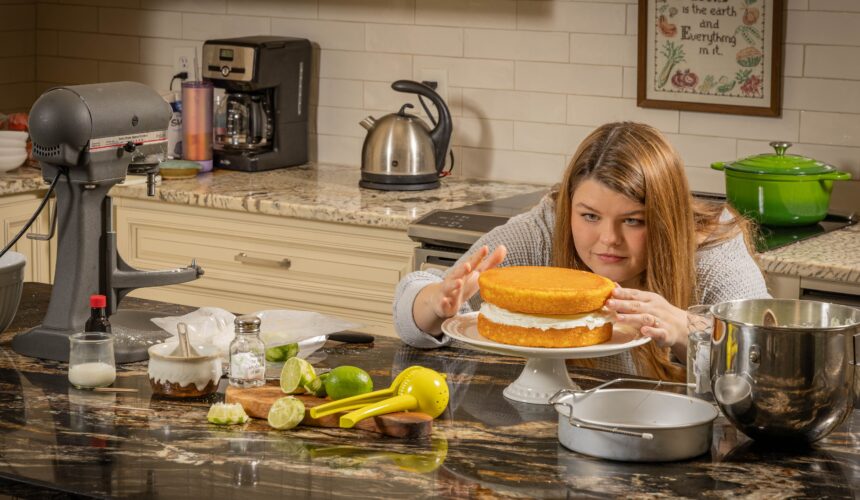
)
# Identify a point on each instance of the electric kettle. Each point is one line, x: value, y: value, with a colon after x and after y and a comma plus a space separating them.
x: 402, y: 153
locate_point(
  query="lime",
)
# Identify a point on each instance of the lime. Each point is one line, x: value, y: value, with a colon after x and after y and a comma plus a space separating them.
x: 347, y: 381
x: 317, y: 386
x: 282, y: 352
x: 296, y: 374
x: 286, y: 413
x: 227, y: 414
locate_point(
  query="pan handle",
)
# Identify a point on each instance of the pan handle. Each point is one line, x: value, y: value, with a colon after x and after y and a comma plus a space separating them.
x: 559, y: 399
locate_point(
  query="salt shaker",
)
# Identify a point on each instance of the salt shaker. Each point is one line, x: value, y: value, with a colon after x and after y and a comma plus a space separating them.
x: 247, y: 354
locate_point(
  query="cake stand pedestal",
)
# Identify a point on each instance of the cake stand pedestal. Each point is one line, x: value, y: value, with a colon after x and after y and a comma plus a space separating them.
x: 545, y: 372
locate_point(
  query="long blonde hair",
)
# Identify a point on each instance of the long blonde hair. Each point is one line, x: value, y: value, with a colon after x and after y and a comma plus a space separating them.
x: 638, y: 162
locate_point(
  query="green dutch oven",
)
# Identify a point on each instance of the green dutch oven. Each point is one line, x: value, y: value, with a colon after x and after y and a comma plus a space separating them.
x: 780, y: 189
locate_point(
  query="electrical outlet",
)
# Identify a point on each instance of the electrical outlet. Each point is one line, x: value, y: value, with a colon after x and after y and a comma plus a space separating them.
x: 185, y: 59
x: 440, y: 76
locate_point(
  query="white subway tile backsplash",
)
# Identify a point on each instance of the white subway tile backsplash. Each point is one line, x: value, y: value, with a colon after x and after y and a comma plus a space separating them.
x: 832, y: 62
x: 160, y: 50
x: 793, y: 65
x: 341, y: 93
x: 207, y: 26
x: 837, y: 129
x: 478, y: 73
x: 98, y: 46
x: 141, y: 23
x: 130, y: 4
x: 835, y: 5
x: 201, y: 6
x: 510, y: 105
x: 574, y: 17
x: 339, y: 150
x: 368, y: 11
x: 517, y: 45
x: 784, y: 128
x: 63, y: 70
x: 632, y: 19
x: 303, y: 9
x: 706, y: 180
x: 818, y: 94
x: 17, y: 43
x: 17, y: 96
x: 411, y: 39
x: 701, y: 151
x: 17, y: 17
x: 486, y: 134
x: 832, y: 28
x: 340, y: 121
x: 364, y: 66
x: 629, y: 84
x: 500, y: 14
x: 46, y: 43
x: 609, y: 50
x: 157, y: 77
x: 511, y: 166
x: 66, y: 17
x: 569, y: 78
x: 797, y: 5
x: 327, y: 34
x: 548, y: 138
x: 17, y: 70
x: 594, y: 111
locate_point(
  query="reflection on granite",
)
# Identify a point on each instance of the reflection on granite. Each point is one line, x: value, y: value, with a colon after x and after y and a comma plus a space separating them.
x: 133, y: 445
x: 326, y: 193
x: 834, y: 256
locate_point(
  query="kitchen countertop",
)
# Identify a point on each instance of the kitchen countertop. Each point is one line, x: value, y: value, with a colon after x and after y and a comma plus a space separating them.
x: 330, y: 193
x: 56, y: 441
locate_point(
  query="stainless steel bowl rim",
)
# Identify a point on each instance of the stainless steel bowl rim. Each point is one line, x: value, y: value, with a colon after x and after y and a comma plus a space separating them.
x: 778, y: 327
x: 643, y: 427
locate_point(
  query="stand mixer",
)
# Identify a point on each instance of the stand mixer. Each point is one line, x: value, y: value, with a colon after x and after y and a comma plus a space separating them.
x: 88, y: 137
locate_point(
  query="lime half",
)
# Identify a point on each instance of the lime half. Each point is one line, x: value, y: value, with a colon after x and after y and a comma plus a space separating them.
x: 227, y: 414
x: 282, y: 352
x: 347, y: 381
x: 317, y: 386
x: 296, y: 374
x: 286, y: 413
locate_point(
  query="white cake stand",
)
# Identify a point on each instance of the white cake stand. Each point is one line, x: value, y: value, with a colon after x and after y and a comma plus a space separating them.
x: 545, y: 372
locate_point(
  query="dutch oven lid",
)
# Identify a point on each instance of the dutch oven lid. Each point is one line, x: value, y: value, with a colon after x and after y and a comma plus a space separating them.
x: 780, y: 163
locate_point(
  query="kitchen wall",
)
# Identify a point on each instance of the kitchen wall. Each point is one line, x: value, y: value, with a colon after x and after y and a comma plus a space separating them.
x: 527, y: 79
x: 17, y: 55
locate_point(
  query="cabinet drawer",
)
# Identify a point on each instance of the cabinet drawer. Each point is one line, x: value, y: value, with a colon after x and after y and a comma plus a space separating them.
x: 253, y: 259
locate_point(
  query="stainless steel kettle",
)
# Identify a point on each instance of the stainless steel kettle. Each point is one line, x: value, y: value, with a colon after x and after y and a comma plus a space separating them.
x: 402, y: 153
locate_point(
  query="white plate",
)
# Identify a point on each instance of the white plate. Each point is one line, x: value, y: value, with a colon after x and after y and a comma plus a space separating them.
x: 465, y: 329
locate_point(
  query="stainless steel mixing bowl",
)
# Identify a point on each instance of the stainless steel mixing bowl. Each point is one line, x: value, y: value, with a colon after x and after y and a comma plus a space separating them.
x: 11, y: 285
x: 792, y: 380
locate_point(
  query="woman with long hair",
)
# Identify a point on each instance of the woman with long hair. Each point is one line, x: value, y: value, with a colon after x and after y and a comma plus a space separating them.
x: 622, y: 210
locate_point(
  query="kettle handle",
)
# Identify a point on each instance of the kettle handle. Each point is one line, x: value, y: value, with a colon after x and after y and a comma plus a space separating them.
x: 441, y: 134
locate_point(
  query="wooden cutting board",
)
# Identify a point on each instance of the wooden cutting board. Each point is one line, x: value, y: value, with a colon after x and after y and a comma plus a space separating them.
x: 257, y: 400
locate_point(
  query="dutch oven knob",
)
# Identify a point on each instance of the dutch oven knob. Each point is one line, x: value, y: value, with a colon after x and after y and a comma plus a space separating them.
x: 780, y: 147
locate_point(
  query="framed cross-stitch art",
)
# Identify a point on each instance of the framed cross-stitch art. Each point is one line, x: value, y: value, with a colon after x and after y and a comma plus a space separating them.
x: 719, y: 56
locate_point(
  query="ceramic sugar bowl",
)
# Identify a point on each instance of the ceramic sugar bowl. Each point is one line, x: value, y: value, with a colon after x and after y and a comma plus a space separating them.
x: 177, y: 376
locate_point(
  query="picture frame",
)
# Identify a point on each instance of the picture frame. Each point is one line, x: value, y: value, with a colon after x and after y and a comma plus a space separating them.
x: 715, y: 56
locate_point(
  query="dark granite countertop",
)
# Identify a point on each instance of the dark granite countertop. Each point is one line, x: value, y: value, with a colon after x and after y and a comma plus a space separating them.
x: 57, y: 442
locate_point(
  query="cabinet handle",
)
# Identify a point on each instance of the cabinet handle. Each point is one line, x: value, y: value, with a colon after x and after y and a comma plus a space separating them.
x: 257, y: 261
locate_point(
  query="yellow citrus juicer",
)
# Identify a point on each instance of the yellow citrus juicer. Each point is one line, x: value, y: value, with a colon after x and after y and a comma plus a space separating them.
x: 423, y: 389
x: 361, y: 400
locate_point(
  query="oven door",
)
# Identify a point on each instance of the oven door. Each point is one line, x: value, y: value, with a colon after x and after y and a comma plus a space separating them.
x: 436, y: 258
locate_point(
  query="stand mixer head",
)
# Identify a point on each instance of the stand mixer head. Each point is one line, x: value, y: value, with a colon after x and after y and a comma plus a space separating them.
x: 91, y: 135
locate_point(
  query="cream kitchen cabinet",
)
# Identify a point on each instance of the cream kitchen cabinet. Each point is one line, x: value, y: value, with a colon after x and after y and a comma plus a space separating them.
x: 254, y: 261
x: 15, y: 211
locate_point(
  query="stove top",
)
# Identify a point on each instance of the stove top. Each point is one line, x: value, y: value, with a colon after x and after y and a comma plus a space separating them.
x: 461, y: 227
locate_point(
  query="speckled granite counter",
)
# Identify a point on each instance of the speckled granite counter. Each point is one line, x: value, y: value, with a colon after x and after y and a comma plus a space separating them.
x: 57, y: 442
x: 834, y: 256
x: 331, y: 193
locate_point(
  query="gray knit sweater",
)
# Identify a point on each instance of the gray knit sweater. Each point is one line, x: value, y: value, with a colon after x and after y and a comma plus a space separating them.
x: 725, y: 272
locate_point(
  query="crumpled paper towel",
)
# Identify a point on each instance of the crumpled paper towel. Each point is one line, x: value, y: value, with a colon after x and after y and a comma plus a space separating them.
x: 213, y: 325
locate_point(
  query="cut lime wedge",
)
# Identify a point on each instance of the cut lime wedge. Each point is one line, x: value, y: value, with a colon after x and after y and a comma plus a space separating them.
x: 227, y: 414
x: 282, y: 352
x: 286, y: 413
x: 296, y: 374
x: 316, y: 387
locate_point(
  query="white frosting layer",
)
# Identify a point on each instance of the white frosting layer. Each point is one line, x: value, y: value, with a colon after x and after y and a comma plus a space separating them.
x: 594, y: 319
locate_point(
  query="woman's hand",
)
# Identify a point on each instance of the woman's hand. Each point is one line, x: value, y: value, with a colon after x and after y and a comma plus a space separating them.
x: 653, y: 316
x: 440, y: 301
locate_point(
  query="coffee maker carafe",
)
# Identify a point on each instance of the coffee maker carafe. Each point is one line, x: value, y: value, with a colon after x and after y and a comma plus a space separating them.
x: 265, y: 109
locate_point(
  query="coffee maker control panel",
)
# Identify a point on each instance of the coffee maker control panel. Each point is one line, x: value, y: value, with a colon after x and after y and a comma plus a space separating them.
x: 228, y: 62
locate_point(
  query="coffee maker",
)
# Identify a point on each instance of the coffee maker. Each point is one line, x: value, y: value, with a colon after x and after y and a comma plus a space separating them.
x: 266, y: 80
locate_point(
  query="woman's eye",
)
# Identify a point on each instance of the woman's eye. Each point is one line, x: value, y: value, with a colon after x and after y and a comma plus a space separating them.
x: 590, y: 217
x: 634, y: 222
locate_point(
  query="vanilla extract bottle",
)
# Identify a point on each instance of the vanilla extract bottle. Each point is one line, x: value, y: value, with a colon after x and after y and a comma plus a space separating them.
x: 98, y: 321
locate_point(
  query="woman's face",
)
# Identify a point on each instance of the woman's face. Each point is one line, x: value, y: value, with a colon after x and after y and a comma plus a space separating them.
x: 609, y: 232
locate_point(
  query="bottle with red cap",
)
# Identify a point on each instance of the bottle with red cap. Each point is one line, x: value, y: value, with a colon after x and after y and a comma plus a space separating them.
x: 98, y: 321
